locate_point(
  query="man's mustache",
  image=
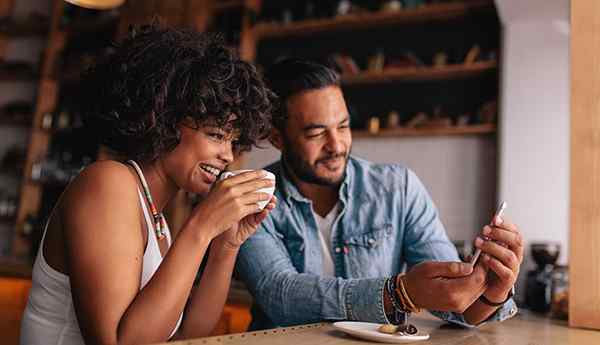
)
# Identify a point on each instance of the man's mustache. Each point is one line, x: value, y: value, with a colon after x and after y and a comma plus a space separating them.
x: 331, y: 157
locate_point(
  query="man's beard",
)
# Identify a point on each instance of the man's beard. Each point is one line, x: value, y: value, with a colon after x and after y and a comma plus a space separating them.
x: 306, y: 173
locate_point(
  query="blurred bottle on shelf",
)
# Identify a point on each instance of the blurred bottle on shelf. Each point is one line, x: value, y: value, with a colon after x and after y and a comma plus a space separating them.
x: 70, y: 150
x: 393, y: 120
x: 8, y: 206
x: 32, y: 230
x: 57, y: 121
x: 374, y: 125
x: 488, y: 112
x: 392, y: 6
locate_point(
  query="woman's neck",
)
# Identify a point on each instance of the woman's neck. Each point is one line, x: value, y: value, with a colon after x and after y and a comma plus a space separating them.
x: 162, y: 188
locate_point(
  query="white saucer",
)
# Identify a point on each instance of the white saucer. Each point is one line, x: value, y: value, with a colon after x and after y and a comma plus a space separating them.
x: 368, y: 331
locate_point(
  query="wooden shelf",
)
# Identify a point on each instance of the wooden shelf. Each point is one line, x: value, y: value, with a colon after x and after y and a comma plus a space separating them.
x: 433, y: 131
x: 434, y: 12
x: 15, y: 124
x: 224, y: 5
x: 14, y: 174
x: 11, y: 267
x: 17, y: 76
x: 8, y: 219
x: 420, y: 73
x: 24, y: 28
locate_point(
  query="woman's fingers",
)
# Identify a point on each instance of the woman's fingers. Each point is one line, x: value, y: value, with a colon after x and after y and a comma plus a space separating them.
x: 245, y: 177
x: 249, y: 186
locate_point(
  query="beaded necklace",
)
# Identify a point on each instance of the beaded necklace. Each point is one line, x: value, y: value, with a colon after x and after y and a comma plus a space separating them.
x: 160, y: 224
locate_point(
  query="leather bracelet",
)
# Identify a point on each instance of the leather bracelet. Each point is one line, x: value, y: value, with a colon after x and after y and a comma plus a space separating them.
x: 484, y: 300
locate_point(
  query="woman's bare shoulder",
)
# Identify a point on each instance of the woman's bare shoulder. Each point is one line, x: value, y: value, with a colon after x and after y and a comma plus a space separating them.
x: 103, y: 182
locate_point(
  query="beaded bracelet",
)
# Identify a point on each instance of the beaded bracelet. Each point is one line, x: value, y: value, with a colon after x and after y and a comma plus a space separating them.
x: 391, y: 290
x: 399, y: 315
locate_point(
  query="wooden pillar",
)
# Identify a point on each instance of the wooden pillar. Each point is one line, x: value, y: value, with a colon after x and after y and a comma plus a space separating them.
x: 584, y: 296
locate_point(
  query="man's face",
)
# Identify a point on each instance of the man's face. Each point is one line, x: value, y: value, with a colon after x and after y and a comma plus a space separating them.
x: 317, y: 138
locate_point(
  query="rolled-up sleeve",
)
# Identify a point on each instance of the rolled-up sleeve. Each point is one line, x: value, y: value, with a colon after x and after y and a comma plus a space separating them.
x: 508, y: 310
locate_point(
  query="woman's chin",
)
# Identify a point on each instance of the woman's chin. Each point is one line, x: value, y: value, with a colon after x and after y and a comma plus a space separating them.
x: 202, y: 190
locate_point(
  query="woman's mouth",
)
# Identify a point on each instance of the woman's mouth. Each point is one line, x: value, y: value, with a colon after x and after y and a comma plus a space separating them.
x: 210, y: 172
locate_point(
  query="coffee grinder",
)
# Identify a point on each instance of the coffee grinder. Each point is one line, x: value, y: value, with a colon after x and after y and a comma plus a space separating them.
x: 539, y: 290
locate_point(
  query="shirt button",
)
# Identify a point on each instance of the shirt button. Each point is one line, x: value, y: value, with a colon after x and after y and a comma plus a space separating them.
x: 338, y: 249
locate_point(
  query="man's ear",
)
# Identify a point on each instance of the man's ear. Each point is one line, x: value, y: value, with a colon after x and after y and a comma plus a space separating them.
x: 276, y: 138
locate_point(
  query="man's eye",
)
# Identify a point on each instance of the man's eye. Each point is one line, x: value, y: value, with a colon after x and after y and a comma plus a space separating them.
x: 314, y: 134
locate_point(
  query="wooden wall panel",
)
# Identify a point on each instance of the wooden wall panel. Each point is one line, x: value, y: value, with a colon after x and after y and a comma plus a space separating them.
x: 584, y: 299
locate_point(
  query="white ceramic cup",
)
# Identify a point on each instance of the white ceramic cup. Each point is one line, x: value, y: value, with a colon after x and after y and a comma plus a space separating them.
x: 268, y: 190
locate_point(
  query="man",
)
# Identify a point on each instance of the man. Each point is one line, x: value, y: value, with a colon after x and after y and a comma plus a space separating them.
x: 343, y: 226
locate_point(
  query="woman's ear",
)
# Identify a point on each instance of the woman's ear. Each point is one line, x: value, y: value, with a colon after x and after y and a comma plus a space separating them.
x: 276, y: 138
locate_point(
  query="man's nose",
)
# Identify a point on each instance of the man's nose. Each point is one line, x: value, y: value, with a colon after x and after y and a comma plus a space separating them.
x: 334, y: 143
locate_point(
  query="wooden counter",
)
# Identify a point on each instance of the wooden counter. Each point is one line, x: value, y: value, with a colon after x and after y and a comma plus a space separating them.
x: 524, y: 329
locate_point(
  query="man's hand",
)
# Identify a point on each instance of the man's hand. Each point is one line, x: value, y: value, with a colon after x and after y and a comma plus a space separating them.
x: 445, y: 286
x: 503, y: 255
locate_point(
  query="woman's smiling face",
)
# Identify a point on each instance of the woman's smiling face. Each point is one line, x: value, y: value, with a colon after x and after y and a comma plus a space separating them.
x: 203, y: 152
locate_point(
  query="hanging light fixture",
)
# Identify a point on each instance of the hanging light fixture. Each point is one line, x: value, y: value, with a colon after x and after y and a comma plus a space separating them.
x: 97, y: 4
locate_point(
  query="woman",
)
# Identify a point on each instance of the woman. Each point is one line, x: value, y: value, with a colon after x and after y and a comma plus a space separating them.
x: 176, y: 106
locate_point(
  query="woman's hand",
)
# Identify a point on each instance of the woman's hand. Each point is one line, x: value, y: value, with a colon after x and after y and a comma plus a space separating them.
x: 233, y: 238
x: 233, y: 202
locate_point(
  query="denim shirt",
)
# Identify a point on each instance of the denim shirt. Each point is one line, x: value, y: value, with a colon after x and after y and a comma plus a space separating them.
x: 387, y: 222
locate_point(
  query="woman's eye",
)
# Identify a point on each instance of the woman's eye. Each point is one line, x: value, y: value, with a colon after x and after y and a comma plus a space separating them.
x: 217, y: 136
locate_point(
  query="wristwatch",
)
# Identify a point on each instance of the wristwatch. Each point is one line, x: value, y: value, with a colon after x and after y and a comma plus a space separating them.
x: 484, y: 300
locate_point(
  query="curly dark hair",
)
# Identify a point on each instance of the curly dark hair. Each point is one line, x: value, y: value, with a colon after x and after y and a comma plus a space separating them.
x: 134, y: 99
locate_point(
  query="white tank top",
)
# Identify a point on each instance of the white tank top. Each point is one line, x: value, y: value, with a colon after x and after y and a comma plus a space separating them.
x: 49, y: 317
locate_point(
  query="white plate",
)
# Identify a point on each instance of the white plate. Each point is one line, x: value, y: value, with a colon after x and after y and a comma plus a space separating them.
x: 368, y: 331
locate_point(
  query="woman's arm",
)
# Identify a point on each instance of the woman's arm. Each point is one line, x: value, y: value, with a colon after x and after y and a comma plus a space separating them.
x: 208, y: 298
x: 105, y: 247
x: 104, y: 254
x: 206, y: 304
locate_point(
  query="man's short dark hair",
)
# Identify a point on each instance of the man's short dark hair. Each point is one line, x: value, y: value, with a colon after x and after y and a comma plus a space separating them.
x: 291, y: 76
x: 134, y: 100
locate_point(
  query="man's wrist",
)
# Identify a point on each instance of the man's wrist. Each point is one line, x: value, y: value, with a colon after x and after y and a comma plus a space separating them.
x: 496, y: 299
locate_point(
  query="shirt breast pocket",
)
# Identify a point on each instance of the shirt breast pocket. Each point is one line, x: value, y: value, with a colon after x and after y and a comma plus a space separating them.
x: 371, y: 254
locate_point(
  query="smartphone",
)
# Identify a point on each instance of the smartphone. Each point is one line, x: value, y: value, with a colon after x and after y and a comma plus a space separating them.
x: 499, y: 213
